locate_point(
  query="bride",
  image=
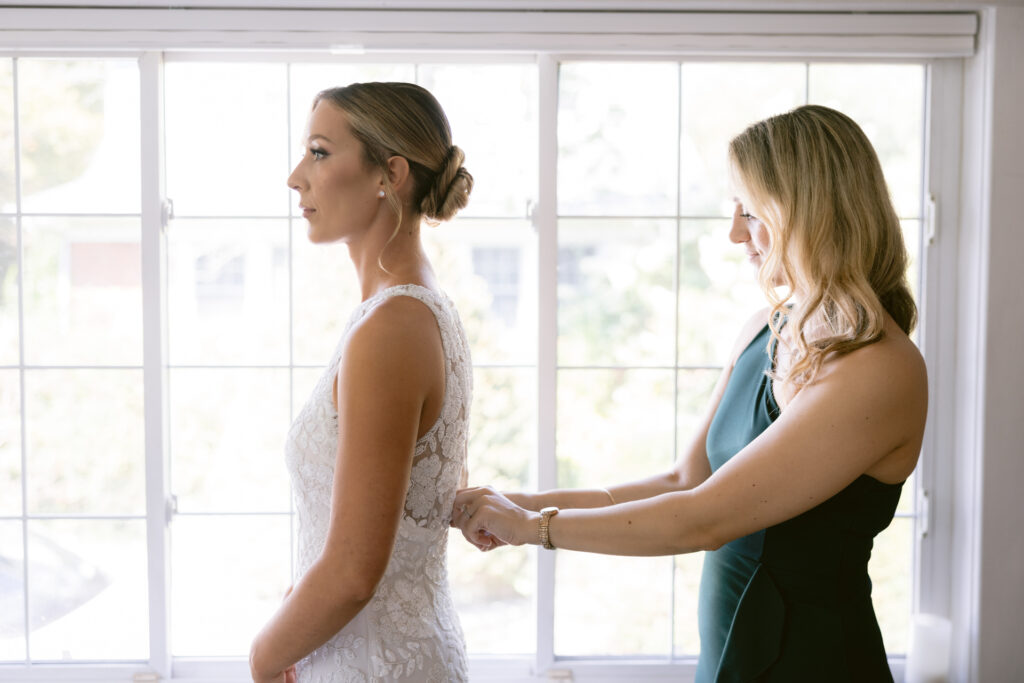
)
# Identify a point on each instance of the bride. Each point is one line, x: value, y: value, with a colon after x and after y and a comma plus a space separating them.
x: 379, y: 449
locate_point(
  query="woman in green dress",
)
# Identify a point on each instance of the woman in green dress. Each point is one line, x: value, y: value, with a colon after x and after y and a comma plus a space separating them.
x: 814, y: 425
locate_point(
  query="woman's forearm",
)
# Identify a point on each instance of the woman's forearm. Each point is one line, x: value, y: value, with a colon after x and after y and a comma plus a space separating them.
x: 668, y: 524
x: 597, y: 497
x: 319, y: 606
x: 562, y: 498
x: 660, y: 525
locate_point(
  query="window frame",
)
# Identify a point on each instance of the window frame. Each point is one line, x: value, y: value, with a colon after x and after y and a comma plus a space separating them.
x: 934, y: 581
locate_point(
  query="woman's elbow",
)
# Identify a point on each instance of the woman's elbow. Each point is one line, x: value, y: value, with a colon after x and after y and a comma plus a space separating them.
x: 712, y: 542
x: 702, y: 537
x: 349, y: 585
x: 694, y: 530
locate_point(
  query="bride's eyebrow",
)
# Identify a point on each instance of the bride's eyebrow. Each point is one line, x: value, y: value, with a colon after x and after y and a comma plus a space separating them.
x: 318, y: 136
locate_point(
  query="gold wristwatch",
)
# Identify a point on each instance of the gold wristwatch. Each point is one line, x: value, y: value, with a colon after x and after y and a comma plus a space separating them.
x: 545, y: 521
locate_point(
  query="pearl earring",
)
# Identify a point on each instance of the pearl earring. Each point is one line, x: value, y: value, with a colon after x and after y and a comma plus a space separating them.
x: 380, y: 194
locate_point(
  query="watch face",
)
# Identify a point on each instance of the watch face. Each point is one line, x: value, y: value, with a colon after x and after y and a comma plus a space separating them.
x: 548, y: 511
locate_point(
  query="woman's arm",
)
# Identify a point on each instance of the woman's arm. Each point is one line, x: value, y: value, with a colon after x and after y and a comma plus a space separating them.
x: 690, y: 470
x: 391, y: 368
x: 865, y: 407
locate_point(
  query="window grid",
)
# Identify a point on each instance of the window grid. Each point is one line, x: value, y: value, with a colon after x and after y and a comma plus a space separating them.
x: 677, y: 367
x: 546, y: 258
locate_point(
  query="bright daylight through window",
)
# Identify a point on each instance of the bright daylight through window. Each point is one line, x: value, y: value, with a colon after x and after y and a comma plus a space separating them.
x: 649, y: 295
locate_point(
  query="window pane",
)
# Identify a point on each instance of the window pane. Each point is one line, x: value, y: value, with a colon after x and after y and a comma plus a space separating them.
x: 12, y: 592
x: 229, y: 576
x: 718, y: 291
x: 907, y: 495
x: 84, y: 440
x: 887, y: 100
x: 7, y: 180
x: 495, y: 592
x: 719, y: 102
x: 228, y: 292
x: 592, y: 617
x: 503, y: 435
x: 228, y: 445
x: 226, y: 146
x: 692, y: 401
x: 479, y: 100
x: 694, y: 393
x: 613, y: 425
x: 616, y: 294
x: 83, y: 281
x: 325, y: 290
x: 87, y: 590
x: 912, y: 238
x: 79, y: 126
x: 10, y: 444
x: 489, y: 269
x: 617, y: 136
x: 494, y: 595
x: 891, y: 570
x: 8, y: 292
x: 688, y: 569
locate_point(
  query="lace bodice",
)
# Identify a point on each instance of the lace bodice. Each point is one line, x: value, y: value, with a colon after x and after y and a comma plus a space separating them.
x: 409, y: 631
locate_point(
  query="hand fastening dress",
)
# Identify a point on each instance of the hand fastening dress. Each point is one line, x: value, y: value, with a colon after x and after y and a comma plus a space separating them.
x: 409, y: 631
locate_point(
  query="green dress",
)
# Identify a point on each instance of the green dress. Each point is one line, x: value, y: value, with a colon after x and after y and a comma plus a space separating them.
x: 790, y: 603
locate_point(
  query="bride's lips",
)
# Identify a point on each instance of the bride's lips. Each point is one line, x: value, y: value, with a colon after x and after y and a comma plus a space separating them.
x: 306, y: 211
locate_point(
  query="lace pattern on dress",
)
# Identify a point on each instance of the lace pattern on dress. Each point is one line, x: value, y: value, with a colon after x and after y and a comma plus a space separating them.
x: 409, y: 631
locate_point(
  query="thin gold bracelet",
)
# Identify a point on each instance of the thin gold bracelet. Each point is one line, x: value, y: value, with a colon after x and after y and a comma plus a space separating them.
x: 609, y: 494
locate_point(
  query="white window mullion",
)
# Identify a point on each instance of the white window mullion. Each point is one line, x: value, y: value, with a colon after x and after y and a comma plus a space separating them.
x: 21, y: 360
x: 675, y: 337
x: 546, y: 224
x: 939, y: 254
x: 154, y: 359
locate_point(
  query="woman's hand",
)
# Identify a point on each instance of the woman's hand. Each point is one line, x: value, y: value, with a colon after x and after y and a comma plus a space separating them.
x: 286, y: 676
x: 489, y: 520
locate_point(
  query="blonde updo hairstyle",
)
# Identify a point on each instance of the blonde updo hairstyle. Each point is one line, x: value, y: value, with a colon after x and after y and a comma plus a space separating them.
x: 403, y: 119
x: 814, y: 180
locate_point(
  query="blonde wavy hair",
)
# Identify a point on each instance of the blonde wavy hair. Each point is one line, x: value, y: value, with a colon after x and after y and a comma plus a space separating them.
x: 404, y: 119
x: 814, y: 180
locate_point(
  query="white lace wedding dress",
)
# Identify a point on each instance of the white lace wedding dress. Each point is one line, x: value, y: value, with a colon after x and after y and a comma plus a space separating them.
x: 409, y: 631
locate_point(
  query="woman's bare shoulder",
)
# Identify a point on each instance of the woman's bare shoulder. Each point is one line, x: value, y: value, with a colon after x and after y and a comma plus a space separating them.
x: 894, y: 361
x: 396, y: 341
x: 396, y: 320
x: 887, y: 379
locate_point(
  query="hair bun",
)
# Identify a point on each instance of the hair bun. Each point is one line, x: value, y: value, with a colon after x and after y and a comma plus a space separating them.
x: 450, y: 190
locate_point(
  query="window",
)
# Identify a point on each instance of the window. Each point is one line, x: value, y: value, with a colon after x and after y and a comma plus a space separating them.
x: 653, y: 293
x: 73, y: 489
x: 647, y: 290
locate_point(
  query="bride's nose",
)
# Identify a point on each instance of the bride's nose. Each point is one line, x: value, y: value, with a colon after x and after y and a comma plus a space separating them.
x: 295, y: 178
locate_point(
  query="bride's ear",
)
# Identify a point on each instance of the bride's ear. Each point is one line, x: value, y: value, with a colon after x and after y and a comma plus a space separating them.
x: 400, y: 176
